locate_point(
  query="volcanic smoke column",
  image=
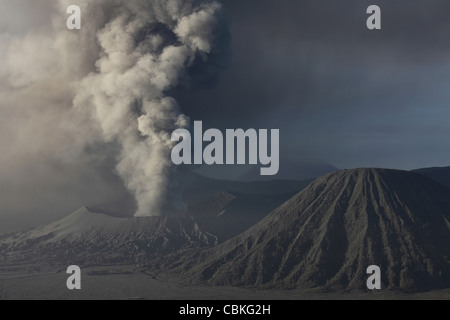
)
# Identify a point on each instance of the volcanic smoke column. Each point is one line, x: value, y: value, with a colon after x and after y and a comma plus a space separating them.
x: 145, y: 48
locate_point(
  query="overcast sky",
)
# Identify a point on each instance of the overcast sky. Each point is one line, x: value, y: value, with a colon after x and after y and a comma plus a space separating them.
x: 339, y: 94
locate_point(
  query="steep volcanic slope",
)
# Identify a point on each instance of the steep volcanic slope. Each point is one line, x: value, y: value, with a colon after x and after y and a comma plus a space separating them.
x: 328, y: 234
x: 89, y: 237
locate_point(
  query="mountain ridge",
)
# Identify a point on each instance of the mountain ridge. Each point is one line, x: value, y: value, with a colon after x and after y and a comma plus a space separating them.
x: 329, y: 233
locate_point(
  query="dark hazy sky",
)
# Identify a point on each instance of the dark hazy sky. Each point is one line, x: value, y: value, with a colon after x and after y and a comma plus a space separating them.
x: 339, y: 92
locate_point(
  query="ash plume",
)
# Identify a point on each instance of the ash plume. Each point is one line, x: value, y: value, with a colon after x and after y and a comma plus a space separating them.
x: 146, y: 48
x: 69, y: 99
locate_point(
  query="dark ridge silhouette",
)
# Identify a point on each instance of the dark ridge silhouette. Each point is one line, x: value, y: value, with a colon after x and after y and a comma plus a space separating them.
x: 291, y: 170
x: 199, y: 189
x: 438, y: 174
x: 226, y: 214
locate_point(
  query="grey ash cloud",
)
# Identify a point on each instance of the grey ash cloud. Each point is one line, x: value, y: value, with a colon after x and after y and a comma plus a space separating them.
x: 77, y: 104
